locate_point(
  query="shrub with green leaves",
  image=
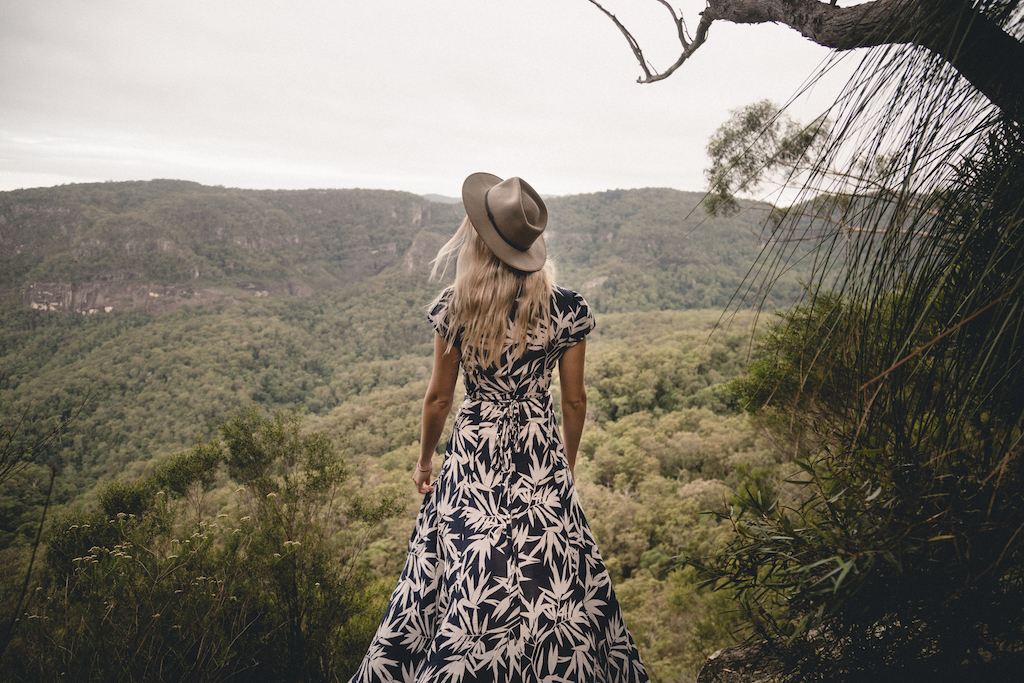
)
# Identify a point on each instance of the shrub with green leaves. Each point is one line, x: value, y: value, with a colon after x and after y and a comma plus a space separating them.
x: 153, y: 586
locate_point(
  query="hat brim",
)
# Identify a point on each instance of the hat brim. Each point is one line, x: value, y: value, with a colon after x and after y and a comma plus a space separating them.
x: 473, y: 191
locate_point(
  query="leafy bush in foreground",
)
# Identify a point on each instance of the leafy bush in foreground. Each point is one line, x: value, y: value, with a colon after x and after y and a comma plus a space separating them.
x: 151, y: 588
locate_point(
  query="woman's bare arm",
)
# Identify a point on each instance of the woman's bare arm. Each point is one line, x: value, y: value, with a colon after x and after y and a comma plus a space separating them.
x: 574, y: 400
x: 437, y: 403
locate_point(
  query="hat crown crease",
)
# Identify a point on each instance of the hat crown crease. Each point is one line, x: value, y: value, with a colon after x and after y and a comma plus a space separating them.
x: 509, y: 216
x: 511, y: 209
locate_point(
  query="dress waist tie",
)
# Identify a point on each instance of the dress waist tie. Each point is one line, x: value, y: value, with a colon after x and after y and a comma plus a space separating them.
x: 510, y: 407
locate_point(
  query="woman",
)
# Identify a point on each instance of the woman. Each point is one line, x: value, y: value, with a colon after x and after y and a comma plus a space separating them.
x: 503, y: 580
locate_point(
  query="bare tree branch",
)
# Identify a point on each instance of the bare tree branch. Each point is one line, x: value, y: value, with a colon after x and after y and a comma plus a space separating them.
x: 987, y: 56
x: 689, y: 46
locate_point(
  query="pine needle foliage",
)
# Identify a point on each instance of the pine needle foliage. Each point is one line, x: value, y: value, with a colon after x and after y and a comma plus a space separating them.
x: 896, y: 550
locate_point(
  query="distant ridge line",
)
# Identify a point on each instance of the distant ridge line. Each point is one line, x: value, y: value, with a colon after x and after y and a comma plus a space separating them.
x: 441, y: 199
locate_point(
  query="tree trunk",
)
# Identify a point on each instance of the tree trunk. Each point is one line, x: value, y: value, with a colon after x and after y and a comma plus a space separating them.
x: 988, y: 57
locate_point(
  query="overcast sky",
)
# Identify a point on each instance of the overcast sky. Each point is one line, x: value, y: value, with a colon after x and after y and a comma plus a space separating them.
x: 394, y: 94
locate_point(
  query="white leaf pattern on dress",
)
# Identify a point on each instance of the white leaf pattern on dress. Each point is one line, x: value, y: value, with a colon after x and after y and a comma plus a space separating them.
x: 503, y: 582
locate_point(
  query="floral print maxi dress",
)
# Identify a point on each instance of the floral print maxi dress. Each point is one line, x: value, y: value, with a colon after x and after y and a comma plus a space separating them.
x: 503, y: 581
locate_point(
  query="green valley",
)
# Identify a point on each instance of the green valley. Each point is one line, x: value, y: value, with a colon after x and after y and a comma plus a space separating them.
x: 159, y: 314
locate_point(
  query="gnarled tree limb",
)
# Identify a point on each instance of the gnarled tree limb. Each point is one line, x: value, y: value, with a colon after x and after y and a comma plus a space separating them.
x: 987, y: 56
x: 689, y: 45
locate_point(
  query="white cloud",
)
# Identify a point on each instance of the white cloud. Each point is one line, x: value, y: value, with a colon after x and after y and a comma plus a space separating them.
x: 398, y: 94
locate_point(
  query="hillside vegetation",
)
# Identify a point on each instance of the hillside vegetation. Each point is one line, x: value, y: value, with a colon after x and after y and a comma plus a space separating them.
x: 314, y: 302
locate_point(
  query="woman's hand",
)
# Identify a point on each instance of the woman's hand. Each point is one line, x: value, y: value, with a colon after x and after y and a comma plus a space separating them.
x: 437, y: 403
x: 421, y: 477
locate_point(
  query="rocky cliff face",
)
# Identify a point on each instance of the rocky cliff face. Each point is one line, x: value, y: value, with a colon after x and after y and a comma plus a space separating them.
x: 425, y: 246
x: 104, y: 297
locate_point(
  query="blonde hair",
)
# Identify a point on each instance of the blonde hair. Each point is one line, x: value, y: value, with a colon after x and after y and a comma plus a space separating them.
x: 491, y: 301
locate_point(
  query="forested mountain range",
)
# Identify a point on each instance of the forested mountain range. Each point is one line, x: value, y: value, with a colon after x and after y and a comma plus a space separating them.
x: 155, y: 311
x: 160, y: 244
x: 162, y: 305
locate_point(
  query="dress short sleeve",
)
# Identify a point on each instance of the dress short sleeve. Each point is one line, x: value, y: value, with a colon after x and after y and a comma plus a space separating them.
x: 572, y: 317
x: 438, y: 314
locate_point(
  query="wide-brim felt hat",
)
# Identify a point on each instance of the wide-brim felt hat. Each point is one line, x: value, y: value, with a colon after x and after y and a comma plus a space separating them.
x: 510, y: 217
